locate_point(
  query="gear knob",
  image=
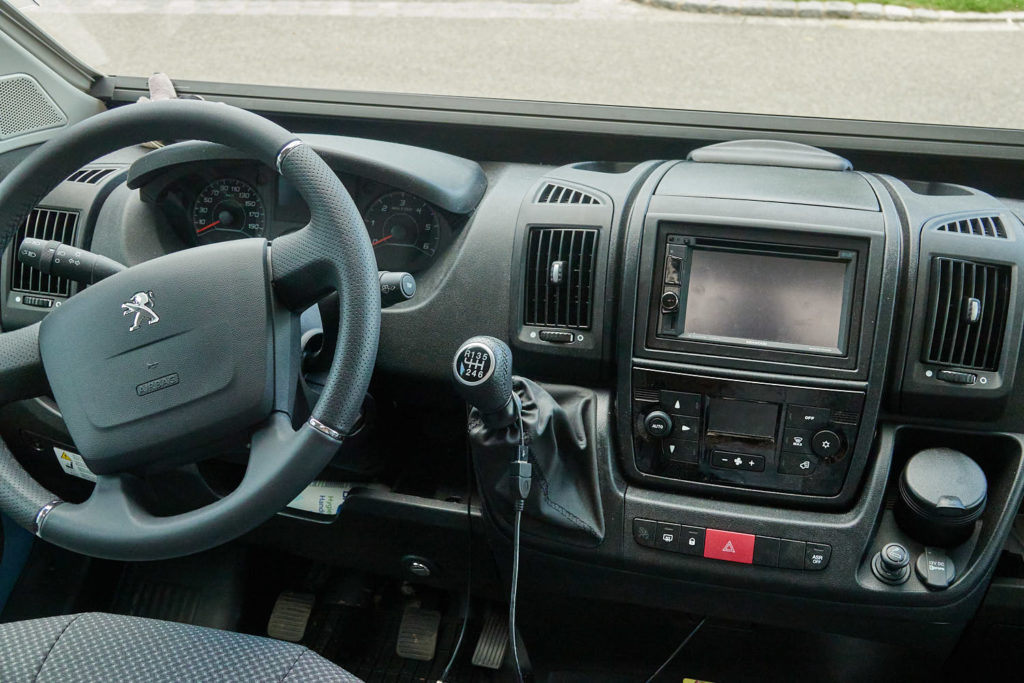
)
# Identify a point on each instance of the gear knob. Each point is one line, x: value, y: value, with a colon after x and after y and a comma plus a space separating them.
x: 483, y: 377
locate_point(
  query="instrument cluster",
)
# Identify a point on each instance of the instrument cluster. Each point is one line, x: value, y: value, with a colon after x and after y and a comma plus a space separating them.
x: 208, y: 203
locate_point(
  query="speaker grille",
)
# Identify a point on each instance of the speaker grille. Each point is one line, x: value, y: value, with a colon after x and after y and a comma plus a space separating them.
x: 25, y: 107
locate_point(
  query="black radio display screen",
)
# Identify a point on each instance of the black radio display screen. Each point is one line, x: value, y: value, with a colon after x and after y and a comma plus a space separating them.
x: 764, y: 299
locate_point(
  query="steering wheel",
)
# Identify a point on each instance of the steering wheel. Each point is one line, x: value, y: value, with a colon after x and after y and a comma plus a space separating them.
x: 150, y: 364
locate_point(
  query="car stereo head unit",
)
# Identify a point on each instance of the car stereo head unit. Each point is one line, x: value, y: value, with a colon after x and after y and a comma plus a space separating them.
x: 795, y: 300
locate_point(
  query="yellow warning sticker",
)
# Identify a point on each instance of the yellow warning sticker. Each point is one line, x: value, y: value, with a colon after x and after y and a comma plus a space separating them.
x: 73, y: 464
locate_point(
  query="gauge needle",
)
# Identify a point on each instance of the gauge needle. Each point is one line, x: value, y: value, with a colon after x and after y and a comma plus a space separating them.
x: 382, y: 240
x: 206, y: 227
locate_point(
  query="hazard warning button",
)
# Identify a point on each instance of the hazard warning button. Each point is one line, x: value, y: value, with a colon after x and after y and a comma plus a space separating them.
x: 729, y: 545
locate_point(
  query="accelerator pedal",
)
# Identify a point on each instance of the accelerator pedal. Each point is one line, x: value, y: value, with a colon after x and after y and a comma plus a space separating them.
x: 490, y: 649
x: 290, y: 616
x: 417, y: 635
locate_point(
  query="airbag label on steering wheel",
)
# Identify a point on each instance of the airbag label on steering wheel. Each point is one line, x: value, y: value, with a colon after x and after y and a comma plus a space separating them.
x: 73, y: 464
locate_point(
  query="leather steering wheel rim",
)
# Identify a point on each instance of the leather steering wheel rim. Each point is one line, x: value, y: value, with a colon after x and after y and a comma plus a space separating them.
x: 331, y: 253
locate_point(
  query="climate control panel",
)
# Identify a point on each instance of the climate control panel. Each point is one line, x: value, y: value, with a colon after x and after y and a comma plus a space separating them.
x: 742, y: 433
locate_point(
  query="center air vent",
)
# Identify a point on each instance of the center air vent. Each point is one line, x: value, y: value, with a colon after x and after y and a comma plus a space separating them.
x: 983, y: 226
x: 968, y: 305
x: 44, y: 224
x: 553, y: 193
x: 89, y: 175
x: 560, y: 277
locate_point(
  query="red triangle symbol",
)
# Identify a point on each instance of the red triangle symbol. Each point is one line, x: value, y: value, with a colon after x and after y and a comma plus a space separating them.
x: 728, y: 547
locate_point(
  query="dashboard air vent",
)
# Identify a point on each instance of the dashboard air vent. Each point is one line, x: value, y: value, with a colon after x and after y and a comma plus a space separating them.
x: 968, y: 305
x: 983, y: 226
x: 44, y: 224
x: 560, y: 277
x: 553, y: 193
x: 89, y: 175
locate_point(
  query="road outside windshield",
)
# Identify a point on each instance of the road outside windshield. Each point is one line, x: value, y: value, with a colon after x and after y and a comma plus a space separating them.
x: 922, y: 61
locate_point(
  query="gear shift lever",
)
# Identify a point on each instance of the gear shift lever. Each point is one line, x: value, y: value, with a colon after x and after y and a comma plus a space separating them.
x: 482, y: 369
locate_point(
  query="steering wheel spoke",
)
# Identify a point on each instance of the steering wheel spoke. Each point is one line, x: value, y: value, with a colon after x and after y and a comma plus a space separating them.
x: 21, y: 366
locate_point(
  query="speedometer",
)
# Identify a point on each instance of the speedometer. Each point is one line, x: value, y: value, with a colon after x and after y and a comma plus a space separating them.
x: 405, y: 231
x: 228, y: 209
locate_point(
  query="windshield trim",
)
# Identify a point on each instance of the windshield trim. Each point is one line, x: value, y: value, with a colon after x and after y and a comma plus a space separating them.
x: 917, y: 138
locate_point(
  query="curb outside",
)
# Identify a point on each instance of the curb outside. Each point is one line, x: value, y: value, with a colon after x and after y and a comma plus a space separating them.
x: 832, y: 9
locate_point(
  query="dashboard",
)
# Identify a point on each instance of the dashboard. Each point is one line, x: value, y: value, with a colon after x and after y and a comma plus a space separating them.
x: 764, y: 337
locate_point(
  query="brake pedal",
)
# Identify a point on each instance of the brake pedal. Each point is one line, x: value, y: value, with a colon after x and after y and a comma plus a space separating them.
x: 417, y: 635
x: 290, y: 616
x: 490, y: 649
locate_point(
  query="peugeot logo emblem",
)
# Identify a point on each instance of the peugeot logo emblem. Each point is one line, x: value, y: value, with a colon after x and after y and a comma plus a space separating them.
x: 141, y: 306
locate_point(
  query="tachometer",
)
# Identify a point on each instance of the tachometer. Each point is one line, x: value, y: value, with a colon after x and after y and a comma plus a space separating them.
x: 405, y: 231
x: 228, y: 209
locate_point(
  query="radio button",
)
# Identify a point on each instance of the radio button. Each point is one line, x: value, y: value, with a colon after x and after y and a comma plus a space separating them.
x: 680, y: 404
x: 797, y: 463
x: 805, y: 417
x: 645, y: 532
x: 796, y: 441
x: 669, y: 537
x: 687, y: 428
x: 737, y: 461
x: 766, y: 551
x: 691, y: 540
x: 681, y: 451
x: 792, y: 554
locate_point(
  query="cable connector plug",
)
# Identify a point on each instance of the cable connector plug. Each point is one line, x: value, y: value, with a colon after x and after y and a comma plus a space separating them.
x: 521, y: 472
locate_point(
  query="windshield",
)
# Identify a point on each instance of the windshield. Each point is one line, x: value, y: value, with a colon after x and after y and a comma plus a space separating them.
x: 916, y: 63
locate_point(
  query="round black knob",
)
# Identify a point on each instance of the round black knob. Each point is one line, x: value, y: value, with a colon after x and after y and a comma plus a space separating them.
x: 482, y: 370
x: 827, y: 444
x: 669, y: 302
x: 891, y: 564
x: 658, y: 424
x: 894, y: 558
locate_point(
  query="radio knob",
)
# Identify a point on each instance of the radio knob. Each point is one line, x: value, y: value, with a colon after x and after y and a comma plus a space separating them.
x: 669, y: 302
x: 658, y: 424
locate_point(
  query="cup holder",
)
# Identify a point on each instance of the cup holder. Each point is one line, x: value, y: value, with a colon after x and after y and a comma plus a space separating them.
x: 942, y: 493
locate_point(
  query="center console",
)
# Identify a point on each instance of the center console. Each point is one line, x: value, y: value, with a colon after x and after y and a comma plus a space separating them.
x: 757, y: 306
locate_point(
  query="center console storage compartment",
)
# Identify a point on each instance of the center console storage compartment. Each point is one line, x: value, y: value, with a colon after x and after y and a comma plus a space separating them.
x: 963, y: 554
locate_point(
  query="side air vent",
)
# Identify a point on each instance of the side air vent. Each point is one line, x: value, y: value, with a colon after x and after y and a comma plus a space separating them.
x: 44, y: 224
x: 968, y: 306
x: 560, y: 277
x: 89, y: 175
x: 553, y: 193
x: 983, y: 226
x: 25, y: 107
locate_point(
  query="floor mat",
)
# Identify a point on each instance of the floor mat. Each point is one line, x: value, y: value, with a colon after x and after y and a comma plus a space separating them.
x: 204, y: 589
x: 363, y: 640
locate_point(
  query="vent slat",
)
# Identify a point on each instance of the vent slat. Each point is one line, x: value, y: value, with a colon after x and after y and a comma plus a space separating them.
x: 572, y: 313
x: 553, y: 193
x: 981, y: 226
x: 953, y: 338
x: 90, y: 176
x: 44, y: 224
x: 568, y: 303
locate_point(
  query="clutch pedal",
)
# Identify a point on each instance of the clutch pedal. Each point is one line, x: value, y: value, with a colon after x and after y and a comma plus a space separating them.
x: 290, y: 616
